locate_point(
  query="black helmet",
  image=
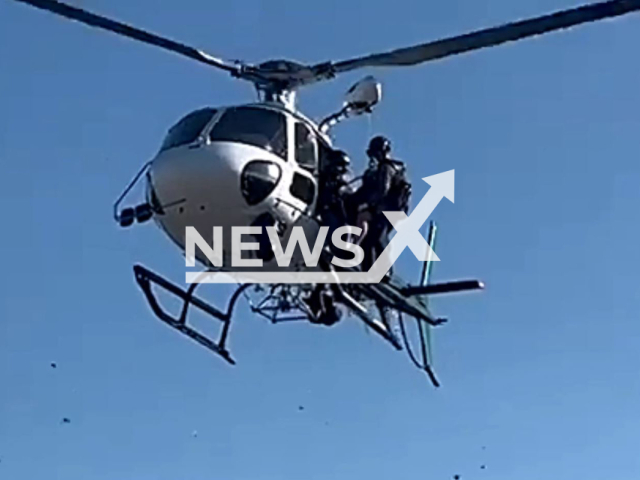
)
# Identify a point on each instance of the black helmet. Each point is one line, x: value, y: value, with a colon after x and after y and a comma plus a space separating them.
x: 379, y: 147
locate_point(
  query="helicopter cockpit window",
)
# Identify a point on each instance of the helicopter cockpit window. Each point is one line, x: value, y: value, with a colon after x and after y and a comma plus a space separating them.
x: 303, y: 188
x: 188, y: 129
x: 260, y: 127
x: 306, y: 151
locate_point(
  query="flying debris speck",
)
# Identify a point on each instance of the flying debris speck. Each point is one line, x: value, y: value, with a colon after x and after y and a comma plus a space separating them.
x: 194, y: 434
x: 482, y: 467
x: 53, y: 365
x: 301, y: 408
x: 66, y: 420
x: 456, y: 477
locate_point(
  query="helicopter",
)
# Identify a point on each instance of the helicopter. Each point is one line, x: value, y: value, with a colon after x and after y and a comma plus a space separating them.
x: 265, y: 163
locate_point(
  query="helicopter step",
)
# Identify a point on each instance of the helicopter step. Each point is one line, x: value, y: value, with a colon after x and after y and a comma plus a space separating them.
x: 146, y: 279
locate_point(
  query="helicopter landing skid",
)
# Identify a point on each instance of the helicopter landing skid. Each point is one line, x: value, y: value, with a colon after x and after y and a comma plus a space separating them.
x: 146, y: 278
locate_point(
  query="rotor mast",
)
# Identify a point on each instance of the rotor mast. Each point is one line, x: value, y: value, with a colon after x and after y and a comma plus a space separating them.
x: 285, y: 97
x: 278, y: 80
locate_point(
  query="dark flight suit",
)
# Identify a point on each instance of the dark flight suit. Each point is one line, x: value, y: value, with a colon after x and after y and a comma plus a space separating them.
x: 385, y: 188
x: 333, y: 215
x: 379, y: 196
x: 334, y: 196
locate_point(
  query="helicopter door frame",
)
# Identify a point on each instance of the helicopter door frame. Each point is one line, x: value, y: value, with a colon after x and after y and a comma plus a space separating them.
x: 206, y: 131
x: 311, y: 135
x: 296, y: 169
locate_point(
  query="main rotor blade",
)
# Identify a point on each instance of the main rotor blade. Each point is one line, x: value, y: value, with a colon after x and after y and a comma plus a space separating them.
x: 104, y: 23
x: 491, y: 36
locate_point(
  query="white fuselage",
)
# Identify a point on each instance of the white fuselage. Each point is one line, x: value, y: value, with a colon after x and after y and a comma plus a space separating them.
x: 200, y: 184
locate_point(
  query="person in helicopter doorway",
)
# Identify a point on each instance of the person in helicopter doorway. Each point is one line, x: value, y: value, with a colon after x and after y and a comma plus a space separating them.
x: 334, y: 191
x: 332, y: 213
x: 385, y: 187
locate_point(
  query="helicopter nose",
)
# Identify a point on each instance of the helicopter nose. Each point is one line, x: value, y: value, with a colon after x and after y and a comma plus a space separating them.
x: 198, y: 179
x: 215, y: 185
x: 218, y: 184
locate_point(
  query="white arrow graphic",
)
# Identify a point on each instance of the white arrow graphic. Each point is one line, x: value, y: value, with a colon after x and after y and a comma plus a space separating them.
x: 408, y: 227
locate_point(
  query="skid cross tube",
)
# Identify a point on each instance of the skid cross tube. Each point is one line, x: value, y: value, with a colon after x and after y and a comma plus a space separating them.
x: 146, y: 277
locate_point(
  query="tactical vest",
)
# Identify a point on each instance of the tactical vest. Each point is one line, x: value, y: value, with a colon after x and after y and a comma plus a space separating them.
x: 399, y: 194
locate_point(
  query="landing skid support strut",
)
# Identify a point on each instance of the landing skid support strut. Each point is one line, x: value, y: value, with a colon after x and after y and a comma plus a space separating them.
x: 146, y: 279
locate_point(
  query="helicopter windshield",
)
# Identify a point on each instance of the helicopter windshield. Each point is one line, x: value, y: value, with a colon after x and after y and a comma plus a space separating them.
x: 188, y: 129
x: 260, y: 127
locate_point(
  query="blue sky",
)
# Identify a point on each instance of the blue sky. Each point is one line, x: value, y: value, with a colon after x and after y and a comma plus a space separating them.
x: 541, y: 369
